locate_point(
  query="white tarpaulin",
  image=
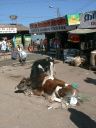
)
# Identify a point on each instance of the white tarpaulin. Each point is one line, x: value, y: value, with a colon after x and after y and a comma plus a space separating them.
x: 82, y: 31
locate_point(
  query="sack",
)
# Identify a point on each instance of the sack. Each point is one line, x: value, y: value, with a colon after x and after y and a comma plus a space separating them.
x: 14, y: 54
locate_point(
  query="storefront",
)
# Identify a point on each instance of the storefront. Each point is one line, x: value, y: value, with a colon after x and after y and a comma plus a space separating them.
x: 53, y: 28
x: 87, y: 32
x: 73, y: 39
x: 14, y: 33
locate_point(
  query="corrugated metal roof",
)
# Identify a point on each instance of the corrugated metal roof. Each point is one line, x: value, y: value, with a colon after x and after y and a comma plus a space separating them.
x: 19, y: 27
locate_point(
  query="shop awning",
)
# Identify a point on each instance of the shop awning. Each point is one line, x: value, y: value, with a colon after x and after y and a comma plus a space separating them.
x: 82, y: 31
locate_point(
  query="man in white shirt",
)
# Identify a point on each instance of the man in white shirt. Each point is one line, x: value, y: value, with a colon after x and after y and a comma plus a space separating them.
x: 3, y: 47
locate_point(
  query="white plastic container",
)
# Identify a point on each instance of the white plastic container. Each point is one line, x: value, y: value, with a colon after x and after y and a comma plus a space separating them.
x: 93, y: 58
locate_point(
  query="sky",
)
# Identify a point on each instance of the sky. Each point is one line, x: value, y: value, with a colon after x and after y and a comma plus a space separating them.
x: 31, y: 11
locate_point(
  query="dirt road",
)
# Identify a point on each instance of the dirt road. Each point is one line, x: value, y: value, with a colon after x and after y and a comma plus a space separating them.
x: 20, y: 111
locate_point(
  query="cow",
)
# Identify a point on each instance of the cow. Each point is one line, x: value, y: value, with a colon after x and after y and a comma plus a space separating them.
x: 43, y: 84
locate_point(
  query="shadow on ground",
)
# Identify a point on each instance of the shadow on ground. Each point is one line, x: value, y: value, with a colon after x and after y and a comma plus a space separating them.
x: 90, y: 80
x: 80, y: 119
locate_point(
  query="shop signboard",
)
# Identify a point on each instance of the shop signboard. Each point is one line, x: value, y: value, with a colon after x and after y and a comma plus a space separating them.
x: 73, y: 19
x: 52, y: 25
x: 8, y: 30
x: 88, y: 20
x: 18, y: 40
x: 48, y: 29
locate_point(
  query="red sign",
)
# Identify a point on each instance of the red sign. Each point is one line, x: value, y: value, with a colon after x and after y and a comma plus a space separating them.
x: 74, y: 38
x: 52, y: 22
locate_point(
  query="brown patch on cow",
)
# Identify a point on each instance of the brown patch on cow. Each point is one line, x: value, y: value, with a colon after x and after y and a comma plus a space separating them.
x: 50, y: 85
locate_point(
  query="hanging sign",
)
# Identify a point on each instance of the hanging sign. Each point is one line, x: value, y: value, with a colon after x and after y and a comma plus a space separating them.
x: 73, y: 19
x: 74, y: 38
x: 18, y: 40
x: 27, y: 40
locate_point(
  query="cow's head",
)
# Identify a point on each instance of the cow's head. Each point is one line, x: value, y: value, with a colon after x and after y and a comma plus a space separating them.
x: 41, y: 66
x: 46, y: 62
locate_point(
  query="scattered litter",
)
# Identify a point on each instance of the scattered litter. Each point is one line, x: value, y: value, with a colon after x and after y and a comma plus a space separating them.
x: 73, y: 101
x: 54, y: 105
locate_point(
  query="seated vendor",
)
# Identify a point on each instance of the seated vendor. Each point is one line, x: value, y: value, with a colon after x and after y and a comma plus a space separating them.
x: 30, y: 48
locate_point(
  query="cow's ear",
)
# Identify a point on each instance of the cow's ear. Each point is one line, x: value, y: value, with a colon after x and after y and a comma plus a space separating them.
x: 50, y: 58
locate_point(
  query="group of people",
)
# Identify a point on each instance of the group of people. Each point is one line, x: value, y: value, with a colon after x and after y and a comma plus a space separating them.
x: 44, y: 45
x: 55, y: 43
x: 5, y: 47
x: 38, y: 45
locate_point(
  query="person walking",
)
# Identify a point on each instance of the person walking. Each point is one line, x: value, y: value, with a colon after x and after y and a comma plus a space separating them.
x: 38, y: 44
x: 22, y: 55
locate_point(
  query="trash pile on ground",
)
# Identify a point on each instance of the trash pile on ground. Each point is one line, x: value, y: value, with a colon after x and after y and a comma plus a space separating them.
x: 73, y: 57
x: 69, y: 54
